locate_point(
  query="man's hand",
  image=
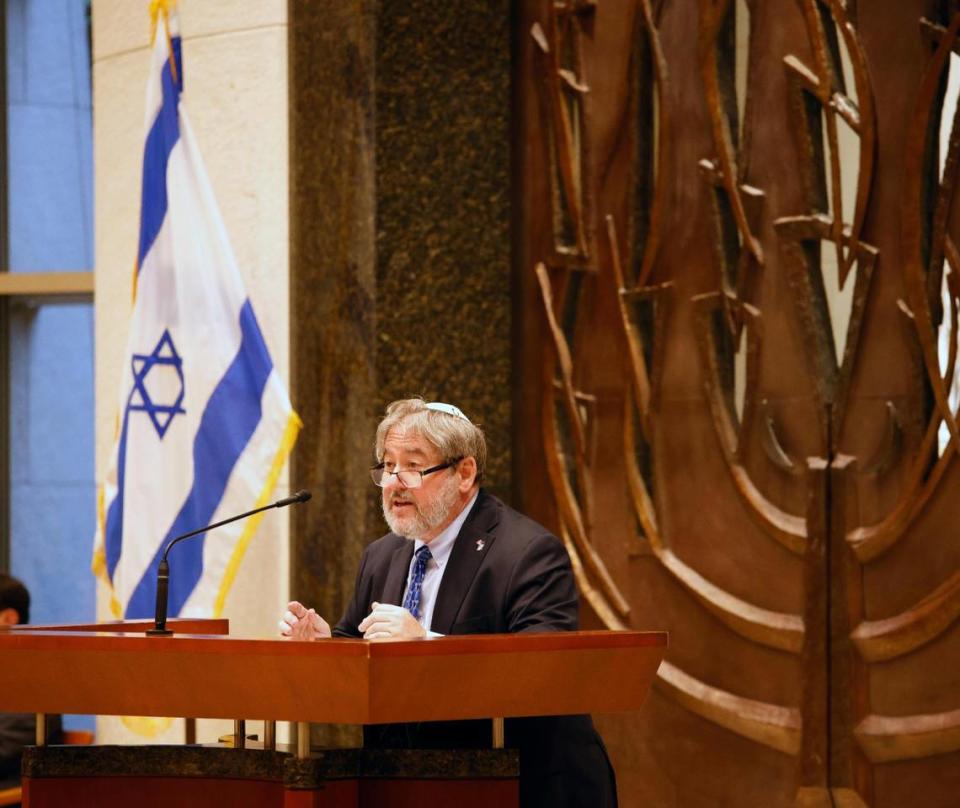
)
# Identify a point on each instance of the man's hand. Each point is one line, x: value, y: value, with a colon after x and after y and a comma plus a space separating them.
x: 301, y: 623
x: 391, y: 621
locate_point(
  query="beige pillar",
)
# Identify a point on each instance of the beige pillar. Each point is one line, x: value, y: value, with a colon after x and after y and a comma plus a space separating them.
x: 235, y: 91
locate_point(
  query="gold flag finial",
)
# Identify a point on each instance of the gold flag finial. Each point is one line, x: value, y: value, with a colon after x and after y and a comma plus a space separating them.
x: 166, y: 7
x: 157, y: 6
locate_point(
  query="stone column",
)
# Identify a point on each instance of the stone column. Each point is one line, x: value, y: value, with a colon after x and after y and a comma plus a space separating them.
x: 400, y: 249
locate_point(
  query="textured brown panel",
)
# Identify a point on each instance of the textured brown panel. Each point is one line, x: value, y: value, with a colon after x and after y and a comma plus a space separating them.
x: 773, y: 439
x: 687, y: 464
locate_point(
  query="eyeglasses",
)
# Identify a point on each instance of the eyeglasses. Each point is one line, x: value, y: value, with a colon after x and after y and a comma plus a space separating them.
x: 409, y: 478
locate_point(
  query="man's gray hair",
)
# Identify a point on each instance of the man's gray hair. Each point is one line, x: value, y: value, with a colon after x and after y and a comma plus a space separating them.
x: 453, y: 435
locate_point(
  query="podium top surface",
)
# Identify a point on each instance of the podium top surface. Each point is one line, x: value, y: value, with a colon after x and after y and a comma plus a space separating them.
x: 61, y: 669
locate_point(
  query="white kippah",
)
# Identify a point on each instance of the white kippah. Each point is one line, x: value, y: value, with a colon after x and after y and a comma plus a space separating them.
x: 449, y: 409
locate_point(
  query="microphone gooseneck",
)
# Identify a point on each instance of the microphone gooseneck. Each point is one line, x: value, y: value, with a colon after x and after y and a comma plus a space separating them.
x: 163, y: 568
x: 300, y: 496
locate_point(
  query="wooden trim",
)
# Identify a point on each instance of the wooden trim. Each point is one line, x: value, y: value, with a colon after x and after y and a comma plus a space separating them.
x: 766, y: 723
x: 46, y: 283
x: 886, y: 738
x: 11, y: 796
x: 892, y: 637
x: 179, y: 625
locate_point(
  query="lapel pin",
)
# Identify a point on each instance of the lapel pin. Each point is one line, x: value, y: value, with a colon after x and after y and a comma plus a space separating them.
x: 480, y: 545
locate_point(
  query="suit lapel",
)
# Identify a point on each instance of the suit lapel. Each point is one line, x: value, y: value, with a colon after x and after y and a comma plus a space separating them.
x: 474, y: 541
x: 397, y: 575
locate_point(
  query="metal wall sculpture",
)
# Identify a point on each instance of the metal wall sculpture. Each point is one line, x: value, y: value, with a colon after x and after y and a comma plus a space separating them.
x: 738, y: 274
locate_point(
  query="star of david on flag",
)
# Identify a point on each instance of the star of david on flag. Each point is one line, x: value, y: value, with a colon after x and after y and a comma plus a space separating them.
x: 147, y: 399
x: 205, y: 424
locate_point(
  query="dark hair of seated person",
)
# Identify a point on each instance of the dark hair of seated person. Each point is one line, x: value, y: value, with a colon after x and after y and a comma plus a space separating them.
x: 14, y: 595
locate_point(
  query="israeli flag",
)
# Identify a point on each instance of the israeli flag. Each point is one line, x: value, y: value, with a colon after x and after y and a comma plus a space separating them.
x: 205, y: 424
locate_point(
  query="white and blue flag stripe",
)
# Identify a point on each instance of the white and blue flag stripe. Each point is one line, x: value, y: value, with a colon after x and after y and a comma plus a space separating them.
x: 205, y: 423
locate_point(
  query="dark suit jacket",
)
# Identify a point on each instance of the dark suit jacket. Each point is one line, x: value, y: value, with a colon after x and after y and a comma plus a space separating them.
x: 505, y: 574
x: 18, y: 730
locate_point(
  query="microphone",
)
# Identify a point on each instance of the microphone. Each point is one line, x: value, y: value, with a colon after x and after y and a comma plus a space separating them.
x: 163, y: 569
x: 300, y: 496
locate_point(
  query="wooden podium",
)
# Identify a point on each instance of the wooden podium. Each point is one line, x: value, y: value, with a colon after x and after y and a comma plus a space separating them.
x: 114, y: 669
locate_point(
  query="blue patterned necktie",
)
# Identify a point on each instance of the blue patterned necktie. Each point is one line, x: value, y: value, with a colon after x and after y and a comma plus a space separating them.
x: 411, y: 602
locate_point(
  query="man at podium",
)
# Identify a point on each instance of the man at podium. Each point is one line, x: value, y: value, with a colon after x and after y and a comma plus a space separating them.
x: 459, y: 561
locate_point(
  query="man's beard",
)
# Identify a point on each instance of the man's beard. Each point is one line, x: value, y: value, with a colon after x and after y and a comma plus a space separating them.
x: 426, y: 518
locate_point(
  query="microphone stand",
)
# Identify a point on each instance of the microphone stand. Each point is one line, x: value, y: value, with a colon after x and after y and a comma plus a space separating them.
x: 163, y: 569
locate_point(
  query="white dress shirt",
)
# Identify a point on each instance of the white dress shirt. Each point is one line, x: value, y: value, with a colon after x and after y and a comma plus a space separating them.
x: 440, y: 547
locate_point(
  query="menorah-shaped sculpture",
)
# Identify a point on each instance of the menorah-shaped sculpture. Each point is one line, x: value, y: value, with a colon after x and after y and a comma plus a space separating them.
x: 814, y: 339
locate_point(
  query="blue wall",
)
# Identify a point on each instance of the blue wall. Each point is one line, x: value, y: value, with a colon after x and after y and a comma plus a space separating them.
x: 50, y: 227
